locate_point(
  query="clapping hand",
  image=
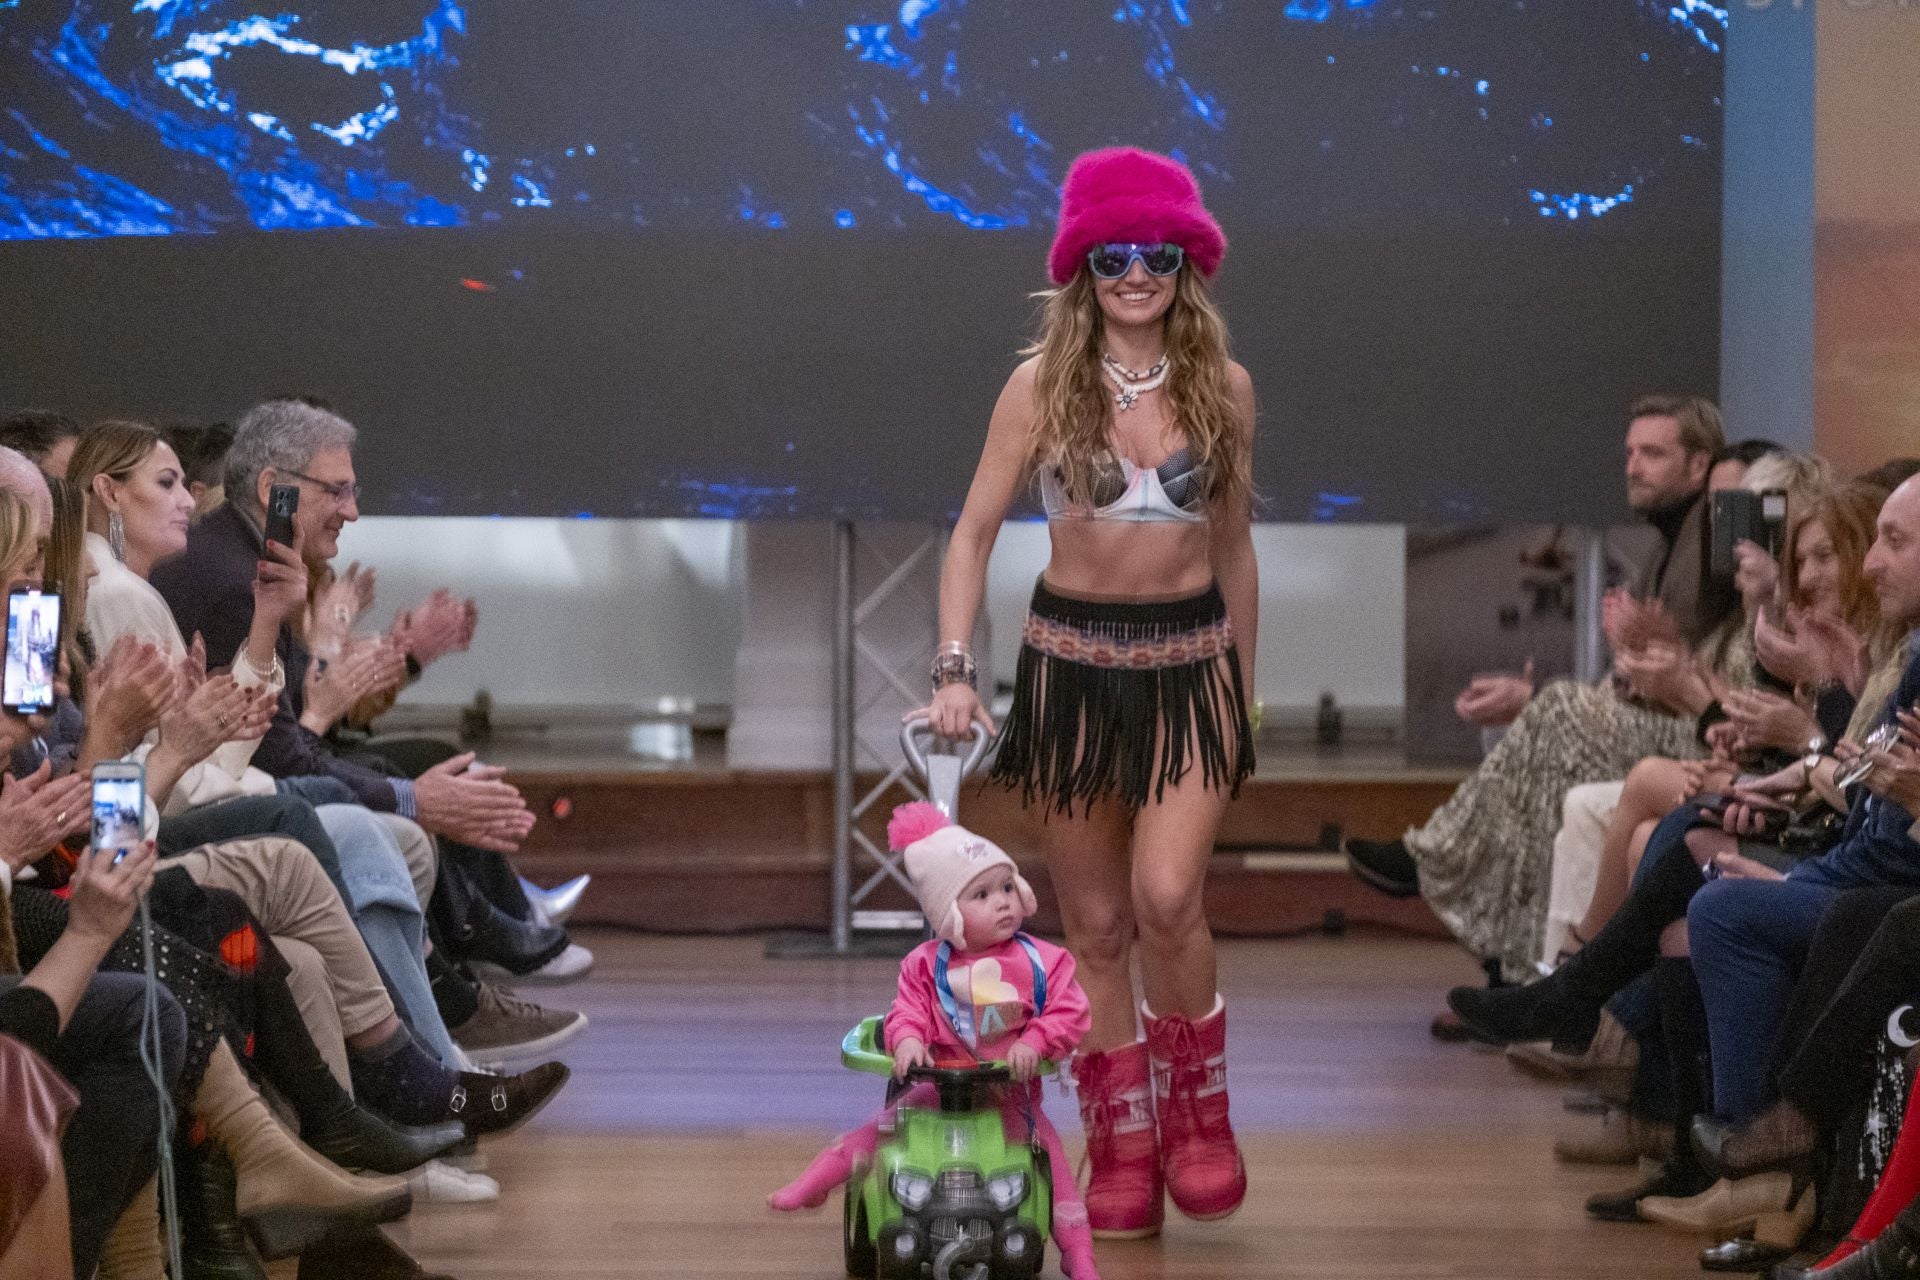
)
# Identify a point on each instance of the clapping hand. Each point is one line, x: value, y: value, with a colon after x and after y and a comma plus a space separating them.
x: 336, y: 607
x: 1492, y: 700
x: 1813, y: 649
x: 1663, y: 673
x: 473, y: 804
x: 130, y: 690
x: 332, y: 688
x: 1768, y: 720
x: 38, y: 811
x: 217, y: 711
x: 439, y: 625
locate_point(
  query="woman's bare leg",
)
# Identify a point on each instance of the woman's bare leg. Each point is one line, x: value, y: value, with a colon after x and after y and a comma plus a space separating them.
x: 1087, y: 857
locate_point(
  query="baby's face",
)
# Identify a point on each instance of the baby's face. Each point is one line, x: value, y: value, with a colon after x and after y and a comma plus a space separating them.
x: 990, y: 908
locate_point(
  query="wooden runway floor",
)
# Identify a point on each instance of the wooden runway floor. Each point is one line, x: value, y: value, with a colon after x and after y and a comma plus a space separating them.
x: 710, y: 1075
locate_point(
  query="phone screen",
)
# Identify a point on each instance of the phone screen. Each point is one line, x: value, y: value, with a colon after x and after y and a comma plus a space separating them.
x: 33, y: 650
x: 119, y: 808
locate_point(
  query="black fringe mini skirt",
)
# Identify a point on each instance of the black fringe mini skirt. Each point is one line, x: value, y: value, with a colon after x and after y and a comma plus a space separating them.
x: 1114, y: 700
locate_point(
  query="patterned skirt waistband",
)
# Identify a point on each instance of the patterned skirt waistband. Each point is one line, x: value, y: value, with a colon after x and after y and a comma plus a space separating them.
x: 1125, y: 636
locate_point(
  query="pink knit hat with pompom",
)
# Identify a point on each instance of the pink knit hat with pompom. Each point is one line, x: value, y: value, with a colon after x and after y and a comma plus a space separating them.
x: 1126, y: 194
x: 942, y: 859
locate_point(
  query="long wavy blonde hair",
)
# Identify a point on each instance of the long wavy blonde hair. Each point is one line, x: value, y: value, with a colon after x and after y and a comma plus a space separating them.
x: 1073, y: 407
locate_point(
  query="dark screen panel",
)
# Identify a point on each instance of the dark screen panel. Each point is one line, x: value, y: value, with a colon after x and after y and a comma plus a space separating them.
x: 759, y: 258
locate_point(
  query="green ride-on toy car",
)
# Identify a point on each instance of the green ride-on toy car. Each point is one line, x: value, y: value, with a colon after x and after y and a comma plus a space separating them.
x: 948, y: 1196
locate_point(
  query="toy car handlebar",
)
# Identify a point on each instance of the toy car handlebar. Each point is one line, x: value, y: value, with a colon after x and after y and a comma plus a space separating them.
x: 919, y: 727
x: 861, y: 1051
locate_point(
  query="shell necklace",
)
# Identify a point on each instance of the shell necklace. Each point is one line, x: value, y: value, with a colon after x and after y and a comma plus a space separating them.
x: 1130, y: 386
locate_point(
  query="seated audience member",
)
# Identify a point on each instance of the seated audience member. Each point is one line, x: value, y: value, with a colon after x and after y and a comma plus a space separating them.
x: 439, y: 625
x: 490, y: 1022
x: 138, y: 508
x: 289, y: 441
x: 1750, y: 928
x: 277, y: 1180
x: 202, y: 451
x: 87, y: 1024
x: 1826, y: 544
x: 44, y: 439
x: 1481, y: 861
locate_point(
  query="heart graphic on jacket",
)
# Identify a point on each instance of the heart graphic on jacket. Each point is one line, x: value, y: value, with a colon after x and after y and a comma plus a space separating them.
x: 997, y: 1001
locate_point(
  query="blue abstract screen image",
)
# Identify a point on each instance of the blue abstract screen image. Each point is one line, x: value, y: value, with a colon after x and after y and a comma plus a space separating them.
x: 728, y: 257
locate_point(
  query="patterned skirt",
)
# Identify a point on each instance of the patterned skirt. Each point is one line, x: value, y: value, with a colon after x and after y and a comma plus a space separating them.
x: 1114, y: 700
x: 1486, y: 855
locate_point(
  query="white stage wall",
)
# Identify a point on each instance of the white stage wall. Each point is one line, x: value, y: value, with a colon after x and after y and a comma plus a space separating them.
x: 625, y: 612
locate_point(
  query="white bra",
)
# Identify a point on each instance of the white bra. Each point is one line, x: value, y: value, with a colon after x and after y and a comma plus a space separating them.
x: 1176, y: 491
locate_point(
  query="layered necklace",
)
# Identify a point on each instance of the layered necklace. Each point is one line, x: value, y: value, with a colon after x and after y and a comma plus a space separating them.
x: 1129, y: 385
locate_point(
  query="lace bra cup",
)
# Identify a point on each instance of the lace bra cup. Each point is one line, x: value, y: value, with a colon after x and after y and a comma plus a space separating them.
x: 1176, y: 490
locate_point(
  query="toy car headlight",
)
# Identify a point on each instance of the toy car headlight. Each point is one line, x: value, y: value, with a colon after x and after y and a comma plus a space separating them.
x: 1007, y: 1190
x: 912, y: 1189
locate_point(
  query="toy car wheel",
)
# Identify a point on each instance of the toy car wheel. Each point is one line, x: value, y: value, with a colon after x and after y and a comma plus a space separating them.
x: 1020, y: 1254
x: 862, y: 1258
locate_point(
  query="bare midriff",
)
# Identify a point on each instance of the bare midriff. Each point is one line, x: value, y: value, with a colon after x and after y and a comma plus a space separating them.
x: 1128, y: 560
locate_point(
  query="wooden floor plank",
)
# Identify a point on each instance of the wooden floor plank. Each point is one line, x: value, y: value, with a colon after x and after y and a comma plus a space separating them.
x: 710, y: 1076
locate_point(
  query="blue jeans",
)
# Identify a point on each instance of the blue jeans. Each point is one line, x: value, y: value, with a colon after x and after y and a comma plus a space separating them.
x: 1749, y: 940
x: 387, y: 909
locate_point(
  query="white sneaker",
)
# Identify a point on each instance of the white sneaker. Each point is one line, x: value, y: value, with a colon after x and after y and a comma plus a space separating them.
x: 437, y: 1182
x: 570, y: 965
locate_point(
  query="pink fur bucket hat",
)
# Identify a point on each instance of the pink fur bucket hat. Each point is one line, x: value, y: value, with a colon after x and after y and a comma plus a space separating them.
x: 1126, y: 194
x: 942, y: 859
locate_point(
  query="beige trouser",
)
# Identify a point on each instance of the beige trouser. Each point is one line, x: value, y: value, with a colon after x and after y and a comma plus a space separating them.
x: 334, y: 980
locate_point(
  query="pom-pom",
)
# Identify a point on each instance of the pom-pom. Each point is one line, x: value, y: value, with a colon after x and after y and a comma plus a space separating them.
x: 911, y: 822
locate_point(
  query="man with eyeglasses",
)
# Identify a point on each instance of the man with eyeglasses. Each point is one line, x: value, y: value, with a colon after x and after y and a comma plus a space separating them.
x: 476, y: 813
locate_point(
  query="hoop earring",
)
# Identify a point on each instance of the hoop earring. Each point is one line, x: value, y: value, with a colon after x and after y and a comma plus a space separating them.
x: 117, y: 536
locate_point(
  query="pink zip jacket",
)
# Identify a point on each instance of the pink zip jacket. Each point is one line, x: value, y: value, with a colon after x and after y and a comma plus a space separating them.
x: 993, y: 996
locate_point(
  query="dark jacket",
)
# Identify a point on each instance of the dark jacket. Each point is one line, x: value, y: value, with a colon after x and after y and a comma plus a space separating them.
x: 1875, y: 848
x: 1675, y: 574
x: 209, y: 587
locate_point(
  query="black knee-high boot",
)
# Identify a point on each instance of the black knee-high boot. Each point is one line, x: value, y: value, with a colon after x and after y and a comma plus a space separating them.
x: 1683, y: 1024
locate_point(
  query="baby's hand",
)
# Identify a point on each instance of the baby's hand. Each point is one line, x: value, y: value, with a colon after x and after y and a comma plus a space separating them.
x: 1023, y: 1060
x: 909, y: 1053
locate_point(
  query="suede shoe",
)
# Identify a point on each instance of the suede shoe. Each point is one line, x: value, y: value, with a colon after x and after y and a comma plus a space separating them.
x: 505, y: 1028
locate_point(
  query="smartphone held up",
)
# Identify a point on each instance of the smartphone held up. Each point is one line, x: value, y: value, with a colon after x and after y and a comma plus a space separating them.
x: 119, y: 807
x: 33, y: 650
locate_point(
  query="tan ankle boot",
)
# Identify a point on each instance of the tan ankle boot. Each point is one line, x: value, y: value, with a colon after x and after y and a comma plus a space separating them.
x: 287, y: 1195
x: 132, y: 1251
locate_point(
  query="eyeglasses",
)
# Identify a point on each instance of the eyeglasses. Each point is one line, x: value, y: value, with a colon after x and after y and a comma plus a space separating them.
x: 1111, y: 261
x: 338, y: 490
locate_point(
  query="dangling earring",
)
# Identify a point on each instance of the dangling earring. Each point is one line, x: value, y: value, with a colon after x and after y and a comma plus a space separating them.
x: 117, y: 536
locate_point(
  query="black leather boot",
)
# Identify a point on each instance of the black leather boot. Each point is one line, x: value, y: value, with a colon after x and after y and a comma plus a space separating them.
x: 361, y: 1253
x: 213, y: 1245
x: 355, y: 1138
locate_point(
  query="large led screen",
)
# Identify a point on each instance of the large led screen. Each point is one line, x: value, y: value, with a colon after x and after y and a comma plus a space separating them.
x: 775, y: 257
